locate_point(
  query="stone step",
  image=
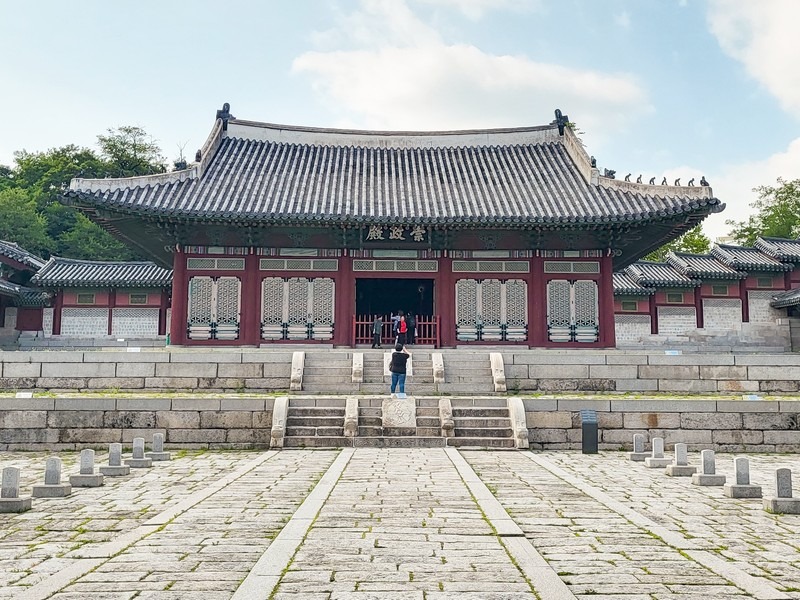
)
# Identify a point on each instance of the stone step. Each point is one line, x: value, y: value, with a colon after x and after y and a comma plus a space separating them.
x: 480, y: 442
x: 332, y: 377
x: 369, y: 431
x: 474, y: 387
x: 479, y: 422
x: 487, y: 432
x: 316, y: 411
x: 399, y: 442
x: 305, y: 431
x: 399, y: 431
x: 479, y: 411
x: 370, y: 422
x: 423, y: 389
x: 318, y: 442
x: 324, y: 387
x: 314, y: 421
x: 427, y: 421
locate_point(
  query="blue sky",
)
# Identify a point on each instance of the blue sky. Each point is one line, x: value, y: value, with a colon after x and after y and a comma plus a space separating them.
x: 676, y: 88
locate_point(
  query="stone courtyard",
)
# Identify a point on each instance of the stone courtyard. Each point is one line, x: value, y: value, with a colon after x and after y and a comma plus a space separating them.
x: 398, y: 523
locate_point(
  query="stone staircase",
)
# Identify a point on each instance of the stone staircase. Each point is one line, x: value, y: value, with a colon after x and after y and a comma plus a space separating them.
x: 467, y: 372
x: 319, y: 423
x: 328, y: 372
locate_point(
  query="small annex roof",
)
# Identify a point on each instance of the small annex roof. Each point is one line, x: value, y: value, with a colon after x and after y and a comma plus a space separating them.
x: 747, y: 259
x: 626, y: 285
x: 261, y: 174
x: 702, y: 266
x: 659, y: 274
x: 786, y: 299
x: 15, y: 252
x: 24, y: 296
x: 68, y: 272
x: 779, y: 248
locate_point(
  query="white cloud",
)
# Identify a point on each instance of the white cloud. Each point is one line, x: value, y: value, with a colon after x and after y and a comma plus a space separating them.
x: 623, y: 19
x: 763, y: 37
x: 475, y: 9
x: 396, y: 72
x: 734, y: 185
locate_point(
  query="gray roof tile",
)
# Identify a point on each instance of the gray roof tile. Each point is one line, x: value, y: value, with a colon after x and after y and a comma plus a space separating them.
x: 747, y: 259
x: 24, y: 296
x: 702, y: 266
x: 15, y: 252
x: 625, y: 285
x: 653, y: 274
x: 68, y: 272
x: 779, y: 248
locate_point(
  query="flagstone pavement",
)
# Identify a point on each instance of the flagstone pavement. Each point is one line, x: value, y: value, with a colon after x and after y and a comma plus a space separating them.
x: 390, y: 524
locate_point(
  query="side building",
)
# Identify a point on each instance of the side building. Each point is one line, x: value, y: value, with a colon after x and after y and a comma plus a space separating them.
x: 300, y: 234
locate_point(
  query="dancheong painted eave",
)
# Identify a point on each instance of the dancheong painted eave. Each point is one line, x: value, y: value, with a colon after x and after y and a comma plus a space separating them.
x: 262, y: 174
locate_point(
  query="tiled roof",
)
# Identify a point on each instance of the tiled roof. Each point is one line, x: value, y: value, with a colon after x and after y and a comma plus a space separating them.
x: 14, y: 252
x: 23, y: 296
x: 748, y: 259
x: 786, y: 299
x: 659, y: 275
x: 271, y: 174
x: 780, y: 249
x: 67, y: 272
x: 702, y: 265
x: 625, y: 285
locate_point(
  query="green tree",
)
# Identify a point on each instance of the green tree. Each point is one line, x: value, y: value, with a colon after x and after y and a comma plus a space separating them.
x: 20, y: 222
x: 89, y: 241
x: 778, y: 214
x: 693, y: 241
x: 129, y: 151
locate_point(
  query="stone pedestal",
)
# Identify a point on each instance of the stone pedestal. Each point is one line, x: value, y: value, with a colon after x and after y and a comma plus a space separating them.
x: 56, y: 490
x: 681, y: 470
x: 741, y: 490
x: 15, y: 505
x: 158, y: 456
x: 115, y: 470
x: 705, y: 479
x: 86, y: 480
x: 139, y: 463
x: 638, y: 456
x: 656, y: 463
x: 781, y: 506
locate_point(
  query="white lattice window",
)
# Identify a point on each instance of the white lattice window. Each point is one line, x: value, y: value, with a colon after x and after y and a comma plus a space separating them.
x: 214, y: 308
x: 491, y: 310
x: 297, y: 308
x: 573, y: 313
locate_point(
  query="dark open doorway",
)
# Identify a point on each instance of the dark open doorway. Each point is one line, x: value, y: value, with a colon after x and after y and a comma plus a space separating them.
x: 385, y: 296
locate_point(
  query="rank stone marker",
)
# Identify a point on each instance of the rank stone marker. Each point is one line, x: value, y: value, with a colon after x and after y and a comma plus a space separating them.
x: 87, y: 477
x: 680, y: 463
x: 708, y: 470
x: 638, y: 454
x: 10, y: 501
x: 52, y: 488
x: 158, y: 453
x: 742, y: 488
x: 115, y: 468
x: 782, y: 502
x: 656, y: 460
x: 139, y: 461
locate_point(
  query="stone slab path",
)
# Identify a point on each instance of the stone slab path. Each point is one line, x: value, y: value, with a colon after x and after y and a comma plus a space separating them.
x: 375, y: 524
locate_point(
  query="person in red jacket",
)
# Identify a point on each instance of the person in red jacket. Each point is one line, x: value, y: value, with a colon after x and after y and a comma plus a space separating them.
x: 402, y: 330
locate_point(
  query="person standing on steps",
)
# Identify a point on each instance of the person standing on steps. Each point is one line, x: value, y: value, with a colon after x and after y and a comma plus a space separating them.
x: 412, y: 332
x: 377, y: 329
x: 398, y: 369
x: 402, y: 330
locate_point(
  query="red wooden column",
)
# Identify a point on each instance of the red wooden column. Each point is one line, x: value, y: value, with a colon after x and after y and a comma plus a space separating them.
x: 744, y: 298
x: 59, y: 304
x: 250, y: 326
x: 112, y: 302
x: 445, y: 303
x: 345, y: 302
x: 653, y: 315
x: 162, y: 312
x: 180, y: 297
x: 608, y: 333
x: 698, y: 306
x: 537, y: 304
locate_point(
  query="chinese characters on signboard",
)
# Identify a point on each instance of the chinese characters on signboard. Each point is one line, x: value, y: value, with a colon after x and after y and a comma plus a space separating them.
x: 404, y: 233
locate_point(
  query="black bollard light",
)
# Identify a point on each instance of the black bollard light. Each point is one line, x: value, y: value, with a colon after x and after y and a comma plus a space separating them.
x: 589, y: 430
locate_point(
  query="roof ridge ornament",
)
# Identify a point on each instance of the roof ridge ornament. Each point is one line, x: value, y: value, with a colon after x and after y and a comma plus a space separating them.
x: 225, y: 115
x: 562, y: 121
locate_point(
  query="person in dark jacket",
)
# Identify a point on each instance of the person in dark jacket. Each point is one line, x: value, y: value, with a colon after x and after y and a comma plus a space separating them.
x: 412, y: 328
x: 377, y: 329
x: 398, y: 368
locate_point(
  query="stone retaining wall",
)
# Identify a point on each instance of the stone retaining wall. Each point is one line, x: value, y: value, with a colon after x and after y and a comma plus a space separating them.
x: 54, y: 423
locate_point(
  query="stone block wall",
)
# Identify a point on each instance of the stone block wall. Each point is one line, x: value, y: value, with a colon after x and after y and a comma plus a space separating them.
x: 722, y: 425
x: 73, y: 423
